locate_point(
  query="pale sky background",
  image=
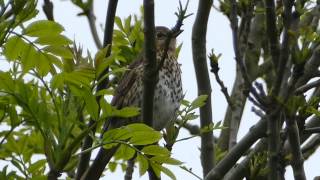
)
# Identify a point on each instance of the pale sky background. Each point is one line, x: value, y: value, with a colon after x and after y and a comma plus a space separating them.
x: 218, y: 38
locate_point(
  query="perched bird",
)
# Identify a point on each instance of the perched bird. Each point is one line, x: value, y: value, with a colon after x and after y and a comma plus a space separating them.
x: 168, y: 90
x: 167, y: 96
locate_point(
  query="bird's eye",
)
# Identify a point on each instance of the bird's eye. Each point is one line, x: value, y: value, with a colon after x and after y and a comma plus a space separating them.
x: 160, y: 35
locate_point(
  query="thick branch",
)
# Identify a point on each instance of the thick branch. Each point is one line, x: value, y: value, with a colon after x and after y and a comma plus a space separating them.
x: 150, y: 73
x: 149, y: 76
x: 273, y: 121
x: 100, y: 162
x: 199, y: 32
x: 255, y: 133
x: 294, y: 141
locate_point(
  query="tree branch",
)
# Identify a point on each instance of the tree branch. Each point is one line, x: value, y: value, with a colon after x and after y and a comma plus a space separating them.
x: 91, y: 19
x: 199, y: 32
x: 255, y: 133
x: 294, y: 141
x: 103, y: 156
x: 150, y: 73
x: 48, y: 9
x: 307, y: 87
x: 273, y: 121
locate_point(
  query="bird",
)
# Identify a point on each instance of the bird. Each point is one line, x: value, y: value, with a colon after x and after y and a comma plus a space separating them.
x: 168, y: 90
x: 129, y: 92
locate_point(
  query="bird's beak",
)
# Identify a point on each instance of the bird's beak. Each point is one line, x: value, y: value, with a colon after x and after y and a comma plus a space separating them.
x: 176, y: 34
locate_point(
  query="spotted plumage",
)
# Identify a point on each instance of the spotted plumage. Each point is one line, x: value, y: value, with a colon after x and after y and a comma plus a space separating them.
x: 168, y: 90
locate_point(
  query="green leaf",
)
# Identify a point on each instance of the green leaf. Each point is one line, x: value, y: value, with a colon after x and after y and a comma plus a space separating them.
x: 59, y: 51
x: 91, y: 105
x: 127, y: 112
x: 14, y: 48
x: 43, y: 28
x: 142, y: 134
x: 17, y: 165
x: 156, y: 150
x: 14, y: 120
x: 43, y: 65
x: 112, y: 166
x: 199, y: 102
x: 120, y: 134
x: 127, y: 24
x: 37, y: 165
x: 29, y: 58
x: 156, y: 168
x: 118, y: 22
x: 53, y: 40
x: 124, y: 152
x: 166, y: 160
x: 143, y: 164
x: 168, y: 172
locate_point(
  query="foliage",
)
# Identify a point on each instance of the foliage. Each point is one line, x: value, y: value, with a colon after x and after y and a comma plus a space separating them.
x: 47, y: 96
x: 48, y: 93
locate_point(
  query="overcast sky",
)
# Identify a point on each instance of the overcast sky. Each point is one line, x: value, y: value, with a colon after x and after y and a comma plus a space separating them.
x: 218, y: 38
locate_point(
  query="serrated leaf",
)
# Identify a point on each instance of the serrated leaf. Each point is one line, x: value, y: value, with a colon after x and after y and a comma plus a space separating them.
x: 43, y: 65
x: 143, y: 164
x: 14, y: 47
x: 53, y: 40
x: 156, y: 150
x: 43, y: 28
x: 29, y: 58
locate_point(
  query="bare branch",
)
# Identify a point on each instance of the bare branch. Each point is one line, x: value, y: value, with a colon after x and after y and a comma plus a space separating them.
x: 91, y: 18
x: 307, y: 87
x: 255, y: 133
x: 199, y: 32
x: 294, y: 141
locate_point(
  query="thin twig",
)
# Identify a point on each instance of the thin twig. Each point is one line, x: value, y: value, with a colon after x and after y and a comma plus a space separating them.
x: 312, y: 130
x: 181, y: 14
x: 307, y: 87
x: 91, y: 19
x: 215, y: 70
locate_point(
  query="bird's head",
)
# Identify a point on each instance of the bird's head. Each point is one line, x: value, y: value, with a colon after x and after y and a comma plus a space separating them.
x: 161, y: 37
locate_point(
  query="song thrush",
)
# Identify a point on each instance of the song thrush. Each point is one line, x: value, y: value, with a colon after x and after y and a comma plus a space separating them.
x: 168, y: 91
x: 167, y: 97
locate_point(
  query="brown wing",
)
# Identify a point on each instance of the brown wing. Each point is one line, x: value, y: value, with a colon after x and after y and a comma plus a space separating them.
x: 126, y: 82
